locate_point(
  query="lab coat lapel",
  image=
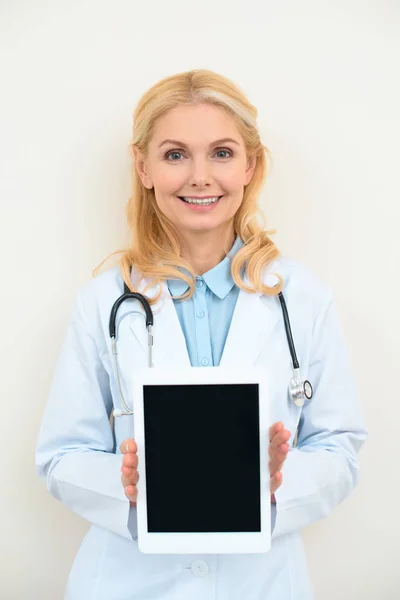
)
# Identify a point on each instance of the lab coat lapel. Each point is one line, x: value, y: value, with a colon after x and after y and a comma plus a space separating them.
x: 169, y: 345
x: 252, y: 326
x: 253, y: 322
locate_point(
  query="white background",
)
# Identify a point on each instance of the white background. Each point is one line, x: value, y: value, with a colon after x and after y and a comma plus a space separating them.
x: 325, y: 78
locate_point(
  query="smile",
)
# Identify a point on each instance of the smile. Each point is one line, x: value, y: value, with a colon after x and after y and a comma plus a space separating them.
x: 201, y: 201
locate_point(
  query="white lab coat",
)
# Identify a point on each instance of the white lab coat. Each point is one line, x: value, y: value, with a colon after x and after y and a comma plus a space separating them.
x: 80, y: 460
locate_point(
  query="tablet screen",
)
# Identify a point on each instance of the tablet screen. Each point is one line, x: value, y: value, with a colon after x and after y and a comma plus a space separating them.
x: 202, y: 447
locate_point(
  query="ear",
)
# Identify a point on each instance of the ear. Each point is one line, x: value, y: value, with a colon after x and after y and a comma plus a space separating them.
x: 251, y: 165
x: 141, y: 168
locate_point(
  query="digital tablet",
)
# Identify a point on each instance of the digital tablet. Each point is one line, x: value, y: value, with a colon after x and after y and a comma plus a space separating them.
x: 202, y: 437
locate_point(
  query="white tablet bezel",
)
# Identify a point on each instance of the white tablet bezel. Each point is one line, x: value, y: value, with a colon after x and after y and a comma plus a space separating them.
x: 203, y: 543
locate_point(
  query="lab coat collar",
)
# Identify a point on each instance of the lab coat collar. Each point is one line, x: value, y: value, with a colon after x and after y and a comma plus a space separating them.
x: 253, y: 322
x: 169, y: 346
x: 219, y: 279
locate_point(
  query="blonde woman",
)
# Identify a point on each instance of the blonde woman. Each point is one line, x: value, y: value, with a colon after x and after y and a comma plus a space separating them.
x: 201, y: 255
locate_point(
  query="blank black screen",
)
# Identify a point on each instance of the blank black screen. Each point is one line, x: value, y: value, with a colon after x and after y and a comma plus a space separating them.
x: 202, y: 458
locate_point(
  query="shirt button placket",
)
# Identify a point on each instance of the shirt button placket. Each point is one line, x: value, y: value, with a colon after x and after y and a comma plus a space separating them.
x: 203, y: 340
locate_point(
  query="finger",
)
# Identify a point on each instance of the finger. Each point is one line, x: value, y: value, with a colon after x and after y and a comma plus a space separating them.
x: 279, y: 453
x: 274, y: 429
x: 282, y: 451
x: 129, y: 471
x: 274, y: 467
x: 280, y: 438
x: 128, y: 445
x: 278, y: 458
x: 131, y: 492
x: 123, y: 446
x: 130, y: 460
x: 275, y: 482
x: 130, y: 478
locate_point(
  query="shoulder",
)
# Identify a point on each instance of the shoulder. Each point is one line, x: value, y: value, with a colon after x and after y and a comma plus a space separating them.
x: 297, y: 275
x: 95, y: 298
x: 103, y: 290
x: 108, y: 283
x: 303, y: 289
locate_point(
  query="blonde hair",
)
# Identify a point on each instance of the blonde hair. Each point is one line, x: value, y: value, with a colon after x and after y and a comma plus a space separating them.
x: 155, y: 249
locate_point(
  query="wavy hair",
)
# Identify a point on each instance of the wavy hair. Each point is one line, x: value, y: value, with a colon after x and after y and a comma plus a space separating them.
x: 155, y: 249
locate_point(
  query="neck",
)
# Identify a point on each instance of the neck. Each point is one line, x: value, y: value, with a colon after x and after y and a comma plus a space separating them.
x: 204, y: 250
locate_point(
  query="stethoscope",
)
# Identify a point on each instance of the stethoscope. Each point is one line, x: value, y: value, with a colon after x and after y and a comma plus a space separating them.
x: 299, y: 390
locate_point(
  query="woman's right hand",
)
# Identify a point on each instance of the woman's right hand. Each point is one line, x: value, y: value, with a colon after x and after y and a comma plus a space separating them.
x: 130, y: 475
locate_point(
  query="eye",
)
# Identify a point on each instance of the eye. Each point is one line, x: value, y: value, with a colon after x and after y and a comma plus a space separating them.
x: 225, y: 150
x: 172, y: 152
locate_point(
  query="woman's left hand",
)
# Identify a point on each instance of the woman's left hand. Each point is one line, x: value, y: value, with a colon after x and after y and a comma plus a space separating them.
x: 278, y: 450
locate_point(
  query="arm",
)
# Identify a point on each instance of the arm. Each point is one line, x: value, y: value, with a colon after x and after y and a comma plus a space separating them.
x: 75, y: 449
x: 323, y: 469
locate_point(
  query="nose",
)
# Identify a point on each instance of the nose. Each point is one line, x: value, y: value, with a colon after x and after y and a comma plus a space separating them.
x: 200, y: 174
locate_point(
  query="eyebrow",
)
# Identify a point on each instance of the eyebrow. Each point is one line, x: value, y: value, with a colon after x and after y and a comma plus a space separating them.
x: 183, y: 145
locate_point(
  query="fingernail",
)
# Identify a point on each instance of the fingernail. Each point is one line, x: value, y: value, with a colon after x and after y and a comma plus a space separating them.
x: 127, y: 447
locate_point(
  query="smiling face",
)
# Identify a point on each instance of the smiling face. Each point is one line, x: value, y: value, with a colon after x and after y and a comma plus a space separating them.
x: 205, y: 160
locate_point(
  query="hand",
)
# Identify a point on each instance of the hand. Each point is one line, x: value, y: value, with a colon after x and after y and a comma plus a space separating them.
x: 130, y: 475
x: 278, y: 449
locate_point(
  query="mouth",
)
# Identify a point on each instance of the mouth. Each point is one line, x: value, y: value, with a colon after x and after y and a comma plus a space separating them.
x: 200, y: 201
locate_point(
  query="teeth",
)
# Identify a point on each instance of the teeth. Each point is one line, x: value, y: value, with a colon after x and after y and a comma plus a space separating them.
x: 201, y: 201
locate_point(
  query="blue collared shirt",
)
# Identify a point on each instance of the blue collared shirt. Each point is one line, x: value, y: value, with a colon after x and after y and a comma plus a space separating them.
x: 206, y: 317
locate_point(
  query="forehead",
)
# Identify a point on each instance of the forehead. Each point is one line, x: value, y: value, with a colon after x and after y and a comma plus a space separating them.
x: 200, y: 123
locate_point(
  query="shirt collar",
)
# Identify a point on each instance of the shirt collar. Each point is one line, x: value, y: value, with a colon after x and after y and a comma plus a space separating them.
x: 218, y: 279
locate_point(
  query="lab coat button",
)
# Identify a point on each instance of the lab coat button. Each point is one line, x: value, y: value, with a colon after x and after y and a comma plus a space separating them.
x: 204, y: 362
x: 199, y: 283
x: 199, y: 568
x: 201, y: 314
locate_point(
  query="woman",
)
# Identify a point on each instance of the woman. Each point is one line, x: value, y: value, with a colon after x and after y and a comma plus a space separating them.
x: 199, y: 166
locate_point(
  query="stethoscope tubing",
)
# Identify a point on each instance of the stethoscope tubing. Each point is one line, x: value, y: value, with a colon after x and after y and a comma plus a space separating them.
x: 299, y: 390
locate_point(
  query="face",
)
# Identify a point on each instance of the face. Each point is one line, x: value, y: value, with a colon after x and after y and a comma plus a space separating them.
x: 200, y: 165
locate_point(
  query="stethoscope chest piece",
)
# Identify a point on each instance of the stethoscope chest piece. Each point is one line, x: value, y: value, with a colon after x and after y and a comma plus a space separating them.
x: 300, y: 391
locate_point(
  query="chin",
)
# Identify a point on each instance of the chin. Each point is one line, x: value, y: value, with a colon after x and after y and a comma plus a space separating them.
x: 201, y: 227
